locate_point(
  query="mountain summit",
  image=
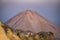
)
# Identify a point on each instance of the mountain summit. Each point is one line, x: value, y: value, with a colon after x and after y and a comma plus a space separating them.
x: 31, y: 20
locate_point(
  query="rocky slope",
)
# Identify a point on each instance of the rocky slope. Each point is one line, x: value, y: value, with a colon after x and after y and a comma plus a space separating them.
x: 31, y: 20
x: 6, y: 33
x: 2, y: 33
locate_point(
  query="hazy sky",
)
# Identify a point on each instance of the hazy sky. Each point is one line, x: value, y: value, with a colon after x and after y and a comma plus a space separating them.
x: 46, y: 8
x: 29, y: 1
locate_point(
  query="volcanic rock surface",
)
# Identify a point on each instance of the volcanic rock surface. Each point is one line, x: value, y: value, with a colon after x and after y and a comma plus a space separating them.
x: 31, y: 20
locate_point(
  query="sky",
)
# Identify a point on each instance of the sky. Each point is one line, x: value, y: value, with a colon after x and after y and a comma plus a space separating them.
x: 29, y: 1
x: 46, y: 8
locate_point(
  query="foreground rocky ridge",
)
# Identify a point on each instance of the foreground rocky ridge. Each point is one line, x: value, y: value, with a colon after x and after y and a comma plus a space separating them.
x: 7, y: 33
x: 2, y: 33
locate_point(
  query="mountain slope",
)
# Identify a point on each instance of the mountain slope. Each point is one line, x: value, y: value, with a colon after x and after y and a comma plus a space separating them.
x: 31, y: 20
x: 2, y: 33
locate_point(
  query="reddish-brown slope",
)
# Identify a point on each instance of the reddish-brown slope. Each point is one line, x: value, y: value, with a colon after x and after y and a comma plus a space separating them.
x: 30, y: 20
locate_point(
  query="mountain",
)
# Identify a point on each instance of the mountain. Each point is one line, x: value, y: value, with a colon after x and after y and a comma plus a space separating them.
x: 31, y: 20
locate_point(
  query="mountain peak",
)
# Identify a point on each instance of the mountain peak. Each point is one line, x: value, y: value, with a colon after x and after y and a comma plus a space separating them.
x: 29, y: 12
x: 30, y: 20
